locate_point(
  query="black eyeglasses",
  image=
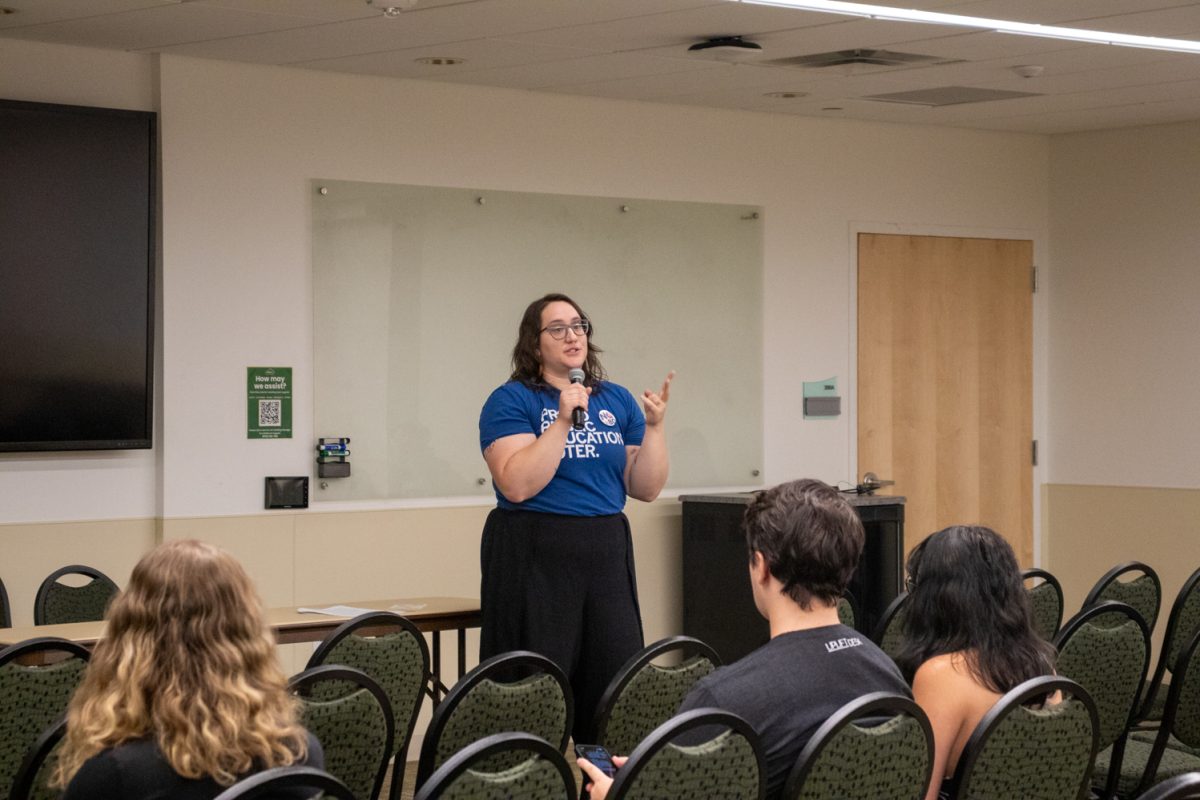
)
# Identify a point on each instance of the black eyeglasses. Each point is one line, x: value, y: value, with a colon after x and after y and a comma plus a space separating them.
x: 559, y: 330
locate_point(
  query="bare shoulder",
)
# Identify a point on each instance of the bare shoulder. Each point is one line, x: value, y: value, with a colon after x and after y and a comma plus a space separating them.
x: 948, y: 672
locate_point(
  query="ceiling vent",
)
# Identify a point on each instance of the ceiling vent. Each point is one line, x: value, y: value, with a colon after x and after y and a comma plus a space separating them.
x: 861, y: 57
x: 947, y: 96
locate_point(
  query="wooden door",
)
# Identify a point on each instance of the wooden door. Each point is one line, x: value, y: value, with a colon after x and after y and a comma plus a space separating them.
x: 945, y: 380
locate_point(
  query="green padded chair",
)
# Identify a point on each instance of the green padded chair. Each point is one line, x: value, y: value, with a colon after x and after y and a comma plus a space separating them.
x: 878, y: 746
x: 889, y: 633
x: 1175, y: 745
x: 519, y: 692
x: 1182, y: 624
x: 37, y: 768
x: 848, y: 610
x: 644, y: 695
x: 393, y: 652
x: 267, y: 784
x: 1134, y: 584
x: 57, y: 603
x: 5, y: 608
x: 1046, y: 601
x: 355, y: 729
x: 727, y: 766
x: 541, y: 772
x: 37, y: 679
x: 1106, y: 649
x: 1181, y: 787
x: 1025, y: 749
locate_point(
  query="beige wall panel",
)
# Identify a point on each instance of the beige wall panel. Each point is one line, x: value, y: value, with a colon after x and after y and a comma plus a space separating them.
x: 263, y: 543
x: 1093, y: 528
x: 33, y: 551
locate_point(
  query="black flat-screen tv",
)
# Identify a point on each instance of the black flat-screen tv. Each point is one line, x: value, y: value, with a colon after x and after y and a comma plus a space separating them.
x: 78, y: 210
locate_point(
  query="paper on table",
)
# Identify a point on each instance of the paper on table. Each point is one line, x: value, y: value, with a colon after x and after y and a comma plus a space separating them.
x: 404, y: 608
x: 337, y: 611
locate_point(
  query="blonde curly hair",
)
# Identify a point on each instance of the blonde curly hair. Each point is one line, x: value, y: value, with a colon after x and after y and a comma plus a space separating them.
x: 189, y: 661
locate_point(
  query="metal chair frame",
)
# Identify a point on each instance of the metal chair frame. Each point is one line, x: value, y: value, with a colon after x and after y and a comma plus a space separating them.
x: 1022, y: 695
x: 384, y: 620
x: 303, y: 681
x: 502, y: 664
x: 487, y: 747
x: 1072, y: 628
x: 633, y: 667
x: 1093, y: 596
x: 24, y: 784
x: 1040, y: 574
x: 267, y: 783
x: 1172, y: 632
x: 664, y: 734
x: 876, y: 705
x: 47, y: 586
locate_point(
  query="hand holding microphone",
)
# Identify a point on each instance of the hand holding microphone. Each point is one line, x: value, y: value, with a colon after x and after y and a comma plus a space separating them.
x: 577, y: 414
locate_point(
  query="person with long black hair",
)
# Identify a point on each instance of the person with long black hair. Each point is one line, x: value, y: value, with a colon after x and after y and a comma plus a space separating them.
x: 565, y: 446
x: 969, y: 635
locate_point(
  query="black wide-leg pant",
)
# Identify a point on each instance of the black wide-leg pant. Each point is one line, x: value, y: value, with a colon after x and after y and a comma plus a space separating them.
x: 562, y: 587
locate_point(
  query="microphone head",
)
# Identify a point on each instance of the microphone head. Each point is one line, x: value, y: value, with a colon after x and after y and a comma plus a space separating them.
x: 575, y: 375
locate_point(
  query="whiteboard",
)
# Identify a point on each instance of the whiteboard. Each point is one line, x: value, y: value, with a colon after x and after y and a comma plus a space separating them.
x: 417, y: 293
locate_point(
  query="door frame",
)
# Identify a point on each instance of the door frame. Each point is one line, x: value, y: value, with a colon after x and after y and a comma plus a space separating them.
x: 1041, y: 349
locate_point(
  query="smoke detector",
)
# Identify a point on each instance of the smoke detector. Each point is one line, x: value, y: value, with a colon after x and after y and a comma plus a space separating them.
x: 727, y: 48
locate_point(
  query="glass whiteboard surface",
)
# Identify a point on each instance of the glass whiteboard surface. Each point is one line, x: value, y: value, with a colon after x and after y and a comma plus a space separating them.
x: 417, y: 293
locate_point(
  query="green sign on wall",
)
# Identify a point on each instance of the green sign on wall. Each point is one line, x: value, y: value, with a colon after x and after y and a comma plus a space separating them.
x: 268, y: 402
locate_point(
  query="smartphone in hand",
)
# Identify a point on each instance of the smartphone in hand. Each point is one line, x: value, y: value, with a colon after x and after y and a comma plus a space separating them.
x: 598, y: 756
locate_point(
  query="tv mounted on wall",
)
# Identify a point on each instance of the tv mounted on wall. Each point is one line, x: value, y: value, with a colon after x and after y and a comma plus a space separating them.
x: 77, y: 260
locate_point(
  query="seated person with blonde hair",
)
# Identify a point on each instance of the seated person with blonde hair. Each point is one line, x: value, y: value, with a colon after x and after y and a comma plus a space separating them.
x: 183, y: 695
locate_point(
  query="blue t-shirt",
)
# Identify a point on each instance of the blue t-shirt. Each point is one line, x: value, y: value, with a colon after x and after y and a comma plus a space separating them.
x: 590, y: 480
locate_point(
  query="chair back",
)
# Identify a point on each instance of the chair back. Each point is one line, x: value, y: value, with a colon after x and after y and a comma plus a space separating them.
x: 1106, y: 649
x: 644, y: 695
x: 5, y: 608
x: 1181, y: 787
x: 880, y: 745
x: 727, y: 764
x: 511, y: 692
x: 1180, y: 725
x: 889, y: 633
x: 1182, y: 624
x: 355, y: 729
x: 58, y: 603
x: 1132, y: 583
x: 271, y: 782
x: 540, y: 773
x: 848, y: 610
x: 37, y: 679
x: 1034, y: 752
x: 391, y: 650
x: 37, y: 768
x: 1046, y: 601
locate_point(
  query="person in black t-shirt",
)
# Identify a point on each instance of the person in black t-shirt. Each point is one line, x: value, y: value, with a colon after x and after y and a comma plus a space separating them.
x: 804, y: 542
x: 183, y: 695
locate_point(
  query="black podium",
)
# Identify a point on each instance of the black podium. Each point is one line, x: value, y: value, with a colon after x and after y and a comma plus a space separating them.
x: 718, y: 608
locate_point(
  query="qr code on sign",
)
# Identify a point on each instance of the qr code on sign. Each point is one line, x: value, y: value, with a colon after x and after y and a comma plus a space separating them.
x: 270, y: 413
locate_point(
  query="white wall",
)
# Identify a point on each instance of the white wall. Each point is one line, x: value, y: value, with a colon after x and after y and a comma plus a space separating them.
x: 239, y: 143
x: 1126, y: 329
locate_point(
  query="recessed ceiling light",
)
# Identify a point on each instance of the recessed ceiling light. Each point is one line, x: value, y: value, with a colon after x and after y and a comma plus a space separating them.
x: 833, y: 108
x: 441, y: 61
x: 786, y: 95
x: 392, y: 8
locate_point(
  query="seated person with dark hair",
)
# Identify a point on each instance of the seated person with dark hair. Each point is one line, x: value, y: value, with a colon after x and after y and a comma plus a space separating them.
x: 804, y: 542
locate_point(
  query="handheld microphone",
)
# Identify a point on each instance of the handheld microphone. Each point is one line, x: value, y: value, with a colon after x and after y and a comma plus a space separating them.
x: 576, y: 376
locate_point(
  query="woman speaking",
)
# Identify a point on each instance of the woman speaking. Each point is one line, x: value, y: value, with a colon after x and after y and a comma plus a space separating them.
x: 564, y: 447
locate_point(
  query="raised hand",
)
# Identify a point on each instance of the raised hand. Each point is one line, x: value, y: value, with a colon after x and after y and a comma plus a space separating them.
x: 655, y: 405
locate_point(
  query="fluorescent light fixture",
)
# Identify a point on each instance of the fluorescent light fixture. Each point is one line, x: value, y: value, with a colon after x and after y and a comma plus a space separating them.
x: 998, y: 25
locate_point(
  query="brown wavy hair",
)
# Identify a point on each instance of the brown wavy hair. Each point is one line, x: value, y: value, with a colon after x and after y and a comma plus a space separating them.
x: 527, y: 365
x: 189, y: 661
x: 810, y: 536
